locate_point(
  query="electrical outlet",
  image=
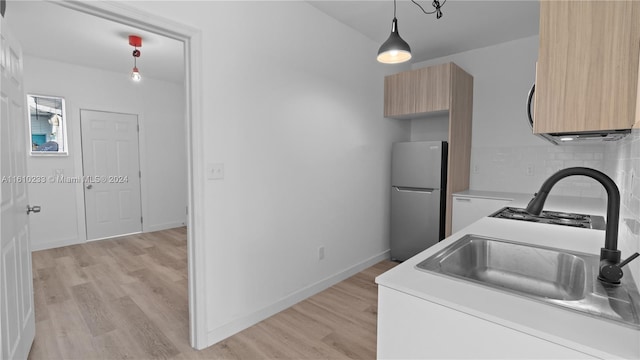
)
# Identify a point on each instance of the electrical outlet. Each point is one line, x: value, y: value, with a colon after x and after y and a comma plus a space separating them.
x: 530, y: 170
x: 215, y: 171
x: 321, y: 253
x: 476, y: 169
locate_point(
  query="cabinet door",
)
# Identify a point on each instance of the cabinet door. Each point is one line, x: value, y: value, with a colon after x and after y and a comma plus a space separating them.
x: 413, y: 328
x: 399, y: 94
x: 587, y: 66
x: 433, y: 88
x: 467, y: 210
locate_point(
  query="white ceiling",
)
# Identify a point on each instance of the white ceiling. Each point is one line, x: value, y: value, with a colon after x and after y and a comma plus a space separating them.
x: 51, y: 31
x: 465, y: 25
x: 54, y: 32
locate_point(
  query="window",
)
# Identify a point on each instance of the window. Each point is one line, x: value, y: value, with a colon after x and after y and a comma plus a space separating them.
x: 48, y: 125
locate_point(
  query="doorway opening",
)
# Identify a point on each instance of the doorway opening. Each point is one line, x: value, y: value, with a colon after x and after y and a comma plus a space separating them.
x: 190, y: 38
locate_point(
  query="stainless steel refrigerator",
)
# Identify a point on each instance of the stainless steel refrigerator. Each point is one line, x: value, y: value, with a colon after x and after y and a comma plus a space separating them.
x: 418, y: 196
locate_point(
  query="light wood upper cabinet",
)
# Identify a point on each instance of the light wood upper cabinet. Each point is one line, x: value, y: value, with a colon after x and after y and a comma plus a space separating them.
x: 432, y: 88
x: 587, y: 73
x: 399, y: 98
x: 412, y: 93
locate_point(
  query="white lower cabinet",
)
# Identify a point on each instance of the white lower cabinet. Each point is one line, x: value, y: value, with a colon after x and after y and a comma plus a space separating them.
x: 467, y: 210
x: 413, y: 328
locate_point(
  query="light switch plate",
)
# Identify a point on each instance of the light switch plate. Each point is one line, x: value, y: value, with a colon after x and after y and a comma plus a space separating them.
x: 215, y: 171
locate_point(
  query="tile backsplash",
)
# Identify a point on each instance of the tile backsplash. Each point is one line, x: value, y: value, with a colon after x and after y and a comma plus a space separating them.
x: 622, y: 164
x: 524, y: 169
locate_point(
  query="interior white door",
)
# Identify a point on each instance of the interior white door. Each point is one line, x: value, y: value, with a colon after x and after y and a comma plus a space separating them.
x: 111, y: 173
x: 16, y: 283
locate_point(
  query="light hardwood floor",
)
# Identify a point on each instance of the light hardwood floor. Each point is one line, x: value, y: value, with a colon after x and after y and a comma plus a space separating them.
x: 126, y: 298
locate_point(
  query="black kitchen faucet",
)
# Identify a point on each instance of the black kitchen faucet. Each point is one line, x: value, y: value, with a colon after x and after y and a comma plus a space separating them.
x: 610, y: 265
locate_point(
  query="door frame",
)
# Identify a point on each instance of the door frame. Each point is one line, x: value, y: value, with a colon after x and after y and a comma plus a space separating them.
x: 192, y: 39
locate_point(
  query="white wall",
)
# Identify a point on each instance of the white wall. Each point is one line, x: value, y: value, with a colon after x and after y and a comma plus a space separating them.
x: 623, y: 166
x: 503, y: 147
x: 432, y: 128
x: 293, y: 104
x: 160, y: 109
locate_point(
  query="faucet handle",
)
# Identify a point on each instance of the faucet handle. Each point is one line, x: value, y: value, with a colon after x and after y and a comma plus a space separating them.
x: 612, y: 273
x: 628, y: 260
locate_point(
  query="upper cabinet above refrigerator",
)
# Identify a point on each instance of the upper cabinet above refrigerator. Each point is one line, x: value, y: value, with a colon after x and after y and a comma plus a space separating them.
x: 415, y: 93
x: 587, y: 72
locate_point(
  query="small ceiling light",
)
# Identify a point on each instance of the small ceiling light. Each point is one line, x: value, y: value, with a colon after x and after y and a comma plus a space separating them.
x: 135, y: 74
x: 136, y: 42
x: 395, y: 50
x: 567, y: 139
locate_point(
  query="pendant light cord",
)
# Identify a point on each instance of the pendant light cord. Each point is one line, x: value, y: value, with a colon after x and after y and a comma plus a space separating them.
x: 436, y: 4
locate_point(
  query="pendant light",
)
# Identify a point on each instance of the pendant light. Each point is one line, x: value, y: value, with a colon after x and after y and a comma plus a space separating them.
x: 135, y: 74
x: 394, y: 50
x: 136, y: 42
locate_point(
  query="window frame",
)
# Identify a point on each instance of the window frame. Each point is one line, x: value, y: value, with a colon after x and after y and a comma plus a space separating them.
x: 62, y: 145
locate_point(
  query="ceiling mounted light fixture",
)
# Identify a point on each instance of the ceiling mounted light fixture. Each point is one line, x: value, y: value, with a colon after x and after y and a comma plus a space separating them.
x: 136, y: 42
x: 395, y: 50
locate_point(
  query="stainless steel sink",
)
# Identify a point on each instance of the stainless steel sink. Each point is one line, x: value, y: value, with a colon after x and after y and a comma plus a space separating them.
x: 536, y: 271
x: 554, y: 276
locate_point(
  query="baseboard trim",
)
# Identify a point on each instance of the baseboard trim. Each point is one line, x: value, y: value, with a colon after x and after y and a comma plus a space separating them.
x: 55, y: 244
x: 165, y: 226
x: 75, y: 241
x: 114, y: 236
x: 220, y: 333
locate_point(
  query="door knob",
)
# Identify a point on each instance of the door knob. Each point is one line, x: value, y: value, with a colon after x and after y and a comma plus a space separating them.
x: 89, y: 186
x: 34, y: 209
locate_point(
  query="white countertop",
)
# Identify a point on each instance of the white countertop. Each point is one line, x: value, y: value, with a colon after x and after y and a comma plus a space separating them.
x: 597, y: 337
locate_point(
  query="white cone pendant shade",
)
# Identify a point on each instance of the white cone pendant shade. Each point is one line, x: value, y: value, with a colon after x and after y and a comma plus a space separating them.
x: 394, y: 50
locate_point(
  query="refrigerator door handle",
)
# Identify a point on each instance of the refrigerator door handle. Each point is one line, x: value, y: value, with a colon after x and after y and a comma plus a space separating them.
x: 413, y: 190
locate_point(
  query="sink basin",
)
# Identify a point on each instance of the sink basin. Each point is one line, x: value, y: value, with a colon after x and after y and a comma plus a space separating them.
x: 554, y: 276
x: 535, y: 271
